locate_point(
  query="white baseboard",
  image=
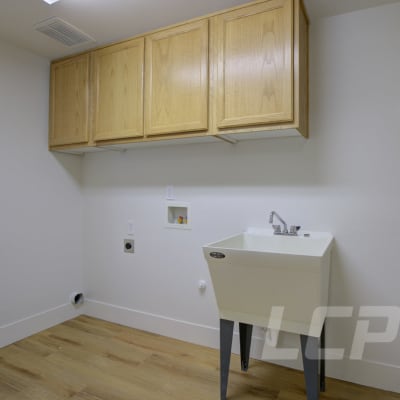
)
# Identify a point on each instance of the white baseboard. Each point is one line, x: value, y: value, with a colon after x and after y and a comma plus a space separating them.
x: 28, y: 326
x: 367, y: 373
x: 363, y: 372
x: 183, y: 330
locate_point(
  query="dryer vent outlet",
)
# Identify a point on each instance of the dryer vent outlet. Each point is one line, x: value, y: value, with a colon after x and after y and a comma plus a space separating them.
x: 76, y: 298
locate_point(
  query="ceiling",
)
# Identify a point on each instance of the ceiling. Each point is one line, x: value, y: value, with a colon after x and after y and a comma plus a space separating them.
x: 112, y: 20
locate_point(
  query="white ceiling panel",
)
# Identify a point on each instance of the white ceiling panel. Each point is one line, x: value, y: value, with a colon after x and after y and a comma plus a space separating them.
x: 112, y: 20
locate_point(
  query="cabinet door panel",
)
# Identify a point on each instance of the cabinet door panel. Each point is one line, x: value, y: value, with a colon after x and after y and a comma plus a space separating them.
x: 118, y: 91
x: 254, y: 64
x: 69, y: 113
x: 177, y: 79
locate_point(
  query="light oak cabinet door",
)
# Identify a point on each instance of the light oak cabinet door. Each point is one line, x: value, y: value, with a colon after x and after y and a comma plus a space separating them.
x: 69, y: 104
x: 176, y: 85
x: 254, y: 65
x: 118, y: 91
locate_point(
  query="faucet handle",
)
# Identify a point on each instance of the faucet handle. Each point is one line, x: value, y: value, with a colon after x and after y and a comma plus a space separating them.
x: 277, y: 228
x: 294, y: 229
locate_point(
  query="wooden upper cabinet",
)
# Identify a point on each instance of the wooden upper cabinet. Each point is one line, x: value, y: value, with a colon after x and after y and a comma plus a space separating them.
x: 69, y: 104
x: 253, y: 67
x: 176, y: 85
x: 118, y: 91
x: 239, y: 71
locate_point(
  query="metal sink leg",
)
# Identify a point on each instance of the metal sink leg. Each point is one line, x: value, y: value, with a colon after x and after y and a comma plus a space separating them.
x: 225, y: 342
x: 311, y: 362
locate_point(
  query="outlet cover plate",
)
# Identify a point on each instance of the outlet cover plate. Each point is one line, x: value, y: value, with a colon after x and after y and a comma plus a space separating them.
x: 129, y: 246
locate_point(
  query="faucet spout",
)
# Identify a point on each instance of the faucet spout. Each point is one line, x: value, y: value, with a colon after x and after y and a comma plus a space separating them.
x: 271, y: 220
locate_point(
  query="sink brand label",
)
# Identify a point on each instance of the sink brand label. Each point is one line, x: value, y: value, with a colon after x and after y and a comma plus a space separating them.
x: 217, y: 254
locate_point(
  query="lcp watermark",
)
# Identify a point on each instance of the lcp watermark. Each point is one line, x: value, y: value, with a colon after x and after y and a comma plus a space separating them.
x: 362, y: 334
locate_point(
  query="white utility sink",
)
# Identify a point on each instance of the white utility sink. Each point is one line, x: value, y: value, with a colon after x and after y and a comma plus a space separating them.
x: 256, y: 270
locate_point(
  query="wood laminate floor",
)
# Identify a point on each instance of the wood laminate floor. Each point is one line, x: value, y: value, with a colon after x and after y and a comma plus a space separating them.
x: 90, y: 359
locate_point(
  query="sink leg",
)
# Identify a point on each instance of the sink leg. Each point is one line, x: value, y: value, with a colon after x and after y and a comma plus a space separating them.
x: 309, y: 350
x: 322, y: 361
x: 245, y: 331
x: 225, y: 339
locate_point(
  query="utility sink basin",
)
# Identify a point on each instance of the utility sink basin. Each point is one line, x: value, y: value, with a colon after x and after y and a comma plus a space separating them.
x: 255, y: 271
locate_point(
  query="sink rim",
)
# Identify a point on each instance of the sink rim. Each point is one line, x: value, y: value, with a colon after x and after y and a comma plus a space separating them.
x: 325, y: 240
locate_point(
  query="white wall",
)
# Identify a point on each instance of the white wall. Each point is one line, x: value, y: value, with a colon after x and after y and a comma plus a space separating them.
x: 40, y: 205
x: 344, y: 179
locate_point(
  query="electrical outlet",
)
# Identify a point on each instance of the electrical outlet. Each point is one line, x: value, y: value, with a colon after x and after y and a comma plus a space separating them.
x: 129, y: 246
x: 170, y: 195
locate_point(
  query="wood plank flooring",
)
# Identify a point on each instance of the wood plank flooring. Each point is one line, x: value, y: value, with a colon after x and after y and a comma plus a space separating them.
x: 90, y: 359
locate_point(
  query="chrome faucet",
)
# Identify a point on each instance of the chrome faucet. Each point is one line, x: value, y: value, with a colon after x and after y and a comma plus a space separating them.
x: 278, y: 229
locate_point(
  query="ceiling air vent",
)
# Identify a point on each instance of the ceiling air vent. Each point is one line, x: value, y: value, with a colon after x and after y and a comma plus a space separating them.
x: 63, y: 32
